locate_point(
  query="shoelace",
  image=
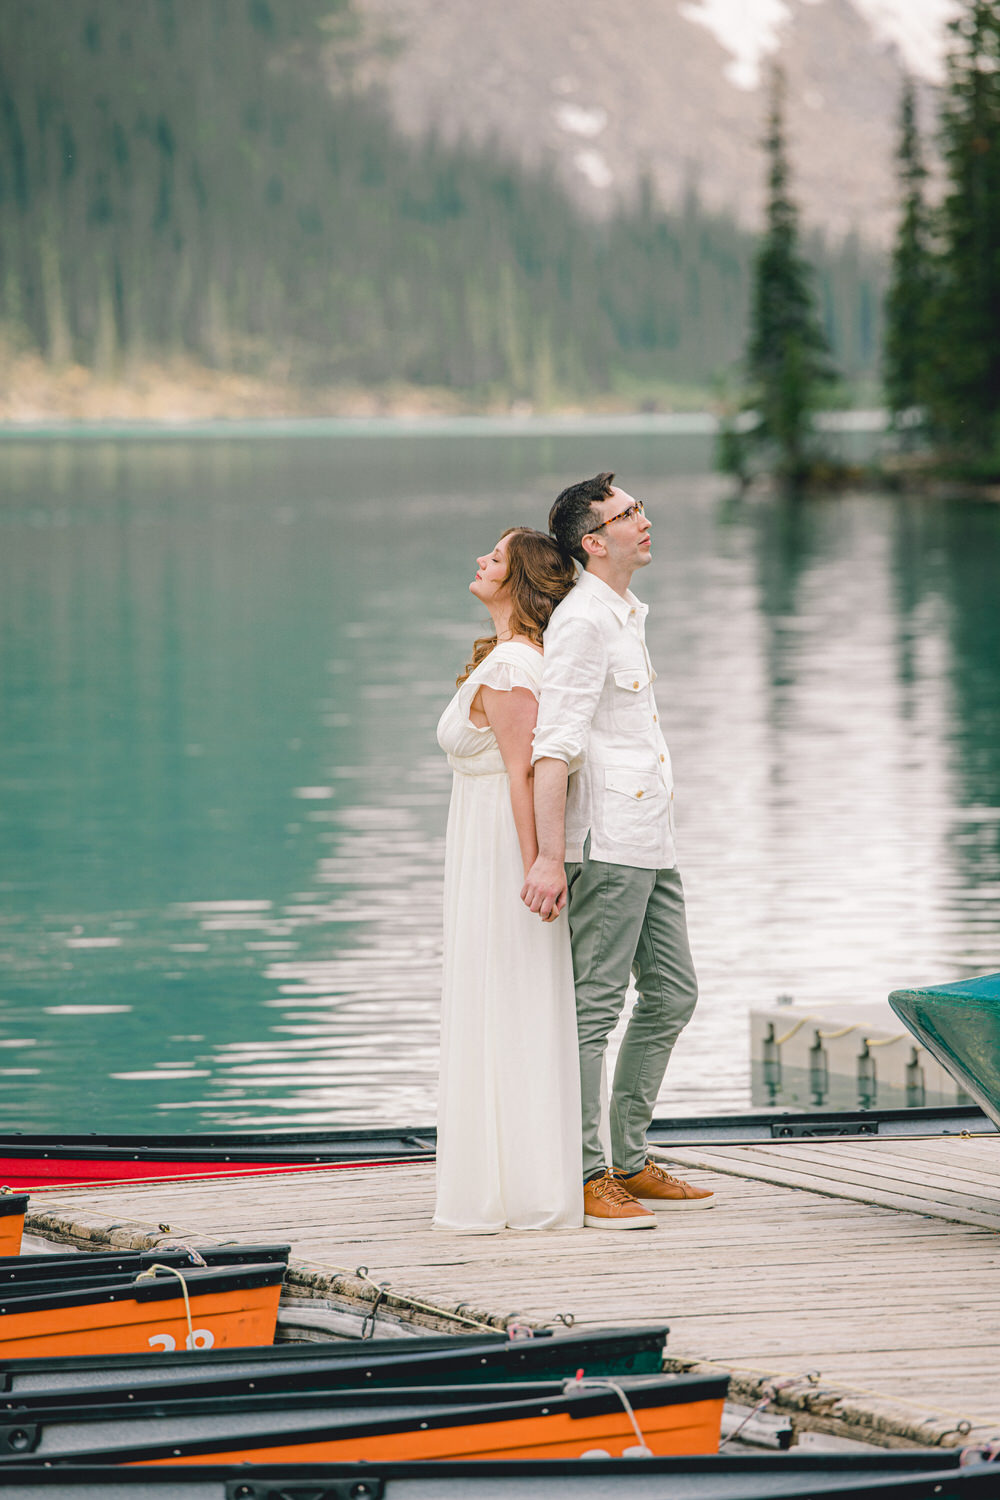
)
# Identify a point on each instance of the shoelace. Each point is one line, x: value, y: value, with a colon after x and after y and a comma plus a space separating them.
x: 659, y: 1173
x: 613, y: 1189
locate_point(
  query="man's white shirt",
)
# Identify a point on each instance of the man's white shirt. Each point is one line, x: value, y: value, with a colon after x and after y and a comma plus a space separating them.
x: 597, y: 713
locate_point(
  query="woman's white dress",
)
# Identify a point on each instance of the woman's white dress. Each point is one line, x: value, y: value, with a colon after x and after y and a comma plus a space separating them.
x: 508, y: 1151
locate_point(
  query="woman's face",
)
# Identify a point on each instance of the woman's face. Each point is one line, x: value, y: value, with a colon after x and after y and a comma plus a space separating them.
x: 488, y: 584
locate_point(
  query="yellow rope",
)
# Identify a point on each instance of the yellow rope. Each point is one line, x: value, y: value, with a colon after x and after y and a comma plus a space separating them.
x: 830, y: 1036
x: 149, y: 1275
x: 844, y: 1031
x: 780, y: 1040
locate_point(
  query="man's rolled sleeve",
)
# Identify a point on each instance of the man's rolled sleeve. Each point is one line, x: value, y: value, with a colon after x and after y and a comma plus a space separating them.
x: 572, y: 682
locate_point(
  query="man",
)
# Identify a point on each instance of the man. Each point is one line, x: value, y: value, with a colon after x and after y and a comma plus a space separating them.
x: 604, y: 815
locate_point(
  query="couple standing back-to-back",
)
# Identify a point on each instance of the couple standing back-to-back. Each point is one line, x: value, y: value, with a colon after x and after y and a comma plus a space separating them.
x: 562, y: 798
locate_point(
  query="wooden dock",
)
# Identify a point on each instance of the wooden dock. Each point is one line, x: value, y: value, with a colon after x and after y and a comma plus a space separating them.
x: 853, y: 1279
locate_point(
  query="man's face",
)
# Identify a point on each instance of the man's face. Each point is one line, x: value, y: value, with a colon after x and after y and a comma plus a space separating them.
x: 627, y: 538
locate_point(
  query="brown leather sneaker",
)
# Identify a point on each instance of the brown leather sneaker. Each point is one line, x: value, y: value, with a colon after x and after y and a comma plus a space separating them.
x: 607, y: 1205
x: 656, y: 1189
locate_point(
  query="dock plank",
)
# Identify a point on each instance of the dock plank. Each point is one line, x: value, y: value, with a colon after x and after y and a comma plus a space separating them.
x: 945, y: 1179
x: 869, y: 1265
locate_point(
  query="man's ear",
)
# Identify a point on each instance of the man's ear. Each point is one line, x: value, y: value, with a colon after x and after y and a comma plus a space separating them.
x: 592, y: 544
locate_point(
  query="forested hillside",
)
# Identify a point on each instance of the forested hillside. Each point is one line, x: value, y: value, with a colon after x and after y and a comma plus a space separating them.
x: 176, y: 178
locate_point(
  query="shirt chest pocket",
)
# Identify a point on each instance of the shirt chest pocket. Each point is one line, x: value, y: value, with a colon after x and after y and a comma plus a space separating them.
x: 630, y: 697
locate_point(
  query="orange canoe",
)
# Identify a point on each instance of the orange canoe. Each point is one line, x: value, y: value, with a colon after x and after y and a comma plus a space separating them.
x: 674, y: 1414
x: 229, y: 1307
x: 678, y: 1430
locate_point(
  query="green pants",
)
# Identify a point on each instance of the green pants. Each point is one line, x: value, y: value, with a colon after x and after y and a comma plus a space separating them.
x: 626, y: 921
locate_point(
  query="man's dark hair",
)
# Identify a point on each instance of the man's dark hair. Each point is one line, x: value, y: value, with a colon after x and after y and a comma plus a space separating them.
x: 575, y: 513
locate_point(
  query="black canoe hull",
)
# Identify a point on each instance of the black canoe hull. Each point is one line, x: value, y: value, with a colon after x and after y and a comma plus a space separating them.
x: 460, y: 1360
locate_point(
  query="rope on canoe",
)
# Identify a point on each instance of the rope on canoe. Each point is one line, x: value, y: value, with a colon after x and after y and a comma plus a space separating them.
x: 149, y: 1275
x: 605, y: 1383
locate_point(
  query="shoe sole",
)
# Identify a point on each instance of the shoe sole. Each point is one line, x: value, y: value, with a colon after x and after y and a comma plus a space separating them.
x: 590, y: 1221
x: 659, y: 1205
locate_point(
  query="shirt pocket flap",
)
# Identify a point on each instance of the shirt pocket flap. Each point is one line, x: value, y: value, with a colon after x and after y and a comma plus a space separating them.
x: 635, y: 784
x: 632, y: 679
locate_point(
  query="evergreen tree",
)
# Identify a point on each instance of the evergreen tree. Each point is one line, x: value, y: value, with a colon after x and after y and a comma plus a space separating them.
x: 964, y: 394
x: 788, y: 359
x: 908, y: 300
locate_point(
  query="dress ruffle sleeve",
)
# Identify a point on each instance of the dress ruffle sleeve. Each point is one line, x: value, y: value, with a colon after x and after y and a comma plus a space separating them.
x: 502, y: 672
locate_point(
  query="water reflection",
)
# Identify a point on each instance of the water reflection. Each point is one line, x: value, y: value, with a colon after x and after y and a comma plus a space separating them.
x: 222, y: 808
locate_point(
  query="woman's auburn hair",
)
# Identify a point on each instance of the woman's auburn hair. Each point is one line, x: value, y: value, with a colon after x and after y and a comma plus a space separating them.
x: 538, y: 575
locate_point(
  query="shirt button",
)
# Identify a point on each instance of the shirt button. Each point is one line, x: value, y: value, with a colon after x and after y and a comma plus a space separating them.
x: 663, y: 757
x: 655, y: 719
x: 639, y: 792
x: 635, y: 684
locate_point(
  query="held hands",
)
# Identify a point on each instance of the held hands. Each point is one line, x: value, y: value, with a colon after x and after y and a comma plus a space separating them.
x: 544, y: 889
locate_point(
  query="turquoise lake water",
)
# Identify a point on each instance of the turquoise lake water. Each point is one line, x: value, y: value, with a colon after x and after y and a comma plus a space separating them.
x: 222, y: 805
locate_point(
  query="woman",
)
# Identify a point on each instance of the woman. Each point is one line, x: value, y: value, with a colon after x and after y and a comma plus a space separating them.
x: 509, y: 1103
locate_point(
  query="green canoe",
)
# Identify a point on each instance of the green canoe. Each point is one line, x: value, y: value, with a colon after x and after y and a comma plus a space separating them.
x: 959, y: 1024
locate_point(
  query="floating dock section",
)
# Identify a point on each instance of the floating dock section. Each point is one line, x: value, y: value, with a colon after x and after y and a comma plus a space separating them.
x: 843, y: 1056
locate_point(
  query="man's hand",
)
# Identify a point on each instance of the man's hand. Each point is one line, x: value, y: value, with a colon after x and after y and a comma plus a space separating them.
x: 544, y: 889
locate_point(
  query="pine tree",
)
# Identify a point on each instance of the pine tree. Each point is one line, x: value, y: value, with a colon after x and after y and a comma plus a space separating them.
x: 964, y: 396
x: 908, y: 301
x: 788, y: 358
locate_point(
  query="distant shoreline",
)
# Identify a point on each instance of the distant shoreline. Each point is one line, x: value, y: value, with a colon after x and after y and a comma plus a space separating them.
x: 184, y: 399
x: 682, y: 424
x: 665, y: 424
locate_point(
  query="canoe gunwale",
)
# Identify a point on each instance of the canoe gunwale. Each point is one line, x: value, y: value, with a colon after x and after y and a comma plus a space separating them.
x: 496, y: 1400
x: 15, y: 1270
x: 203, y: 1281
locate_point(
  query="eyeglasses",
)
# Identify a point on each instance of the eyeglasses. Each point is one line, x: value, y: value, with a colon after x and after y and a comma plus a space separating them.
x: 635, y: 509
